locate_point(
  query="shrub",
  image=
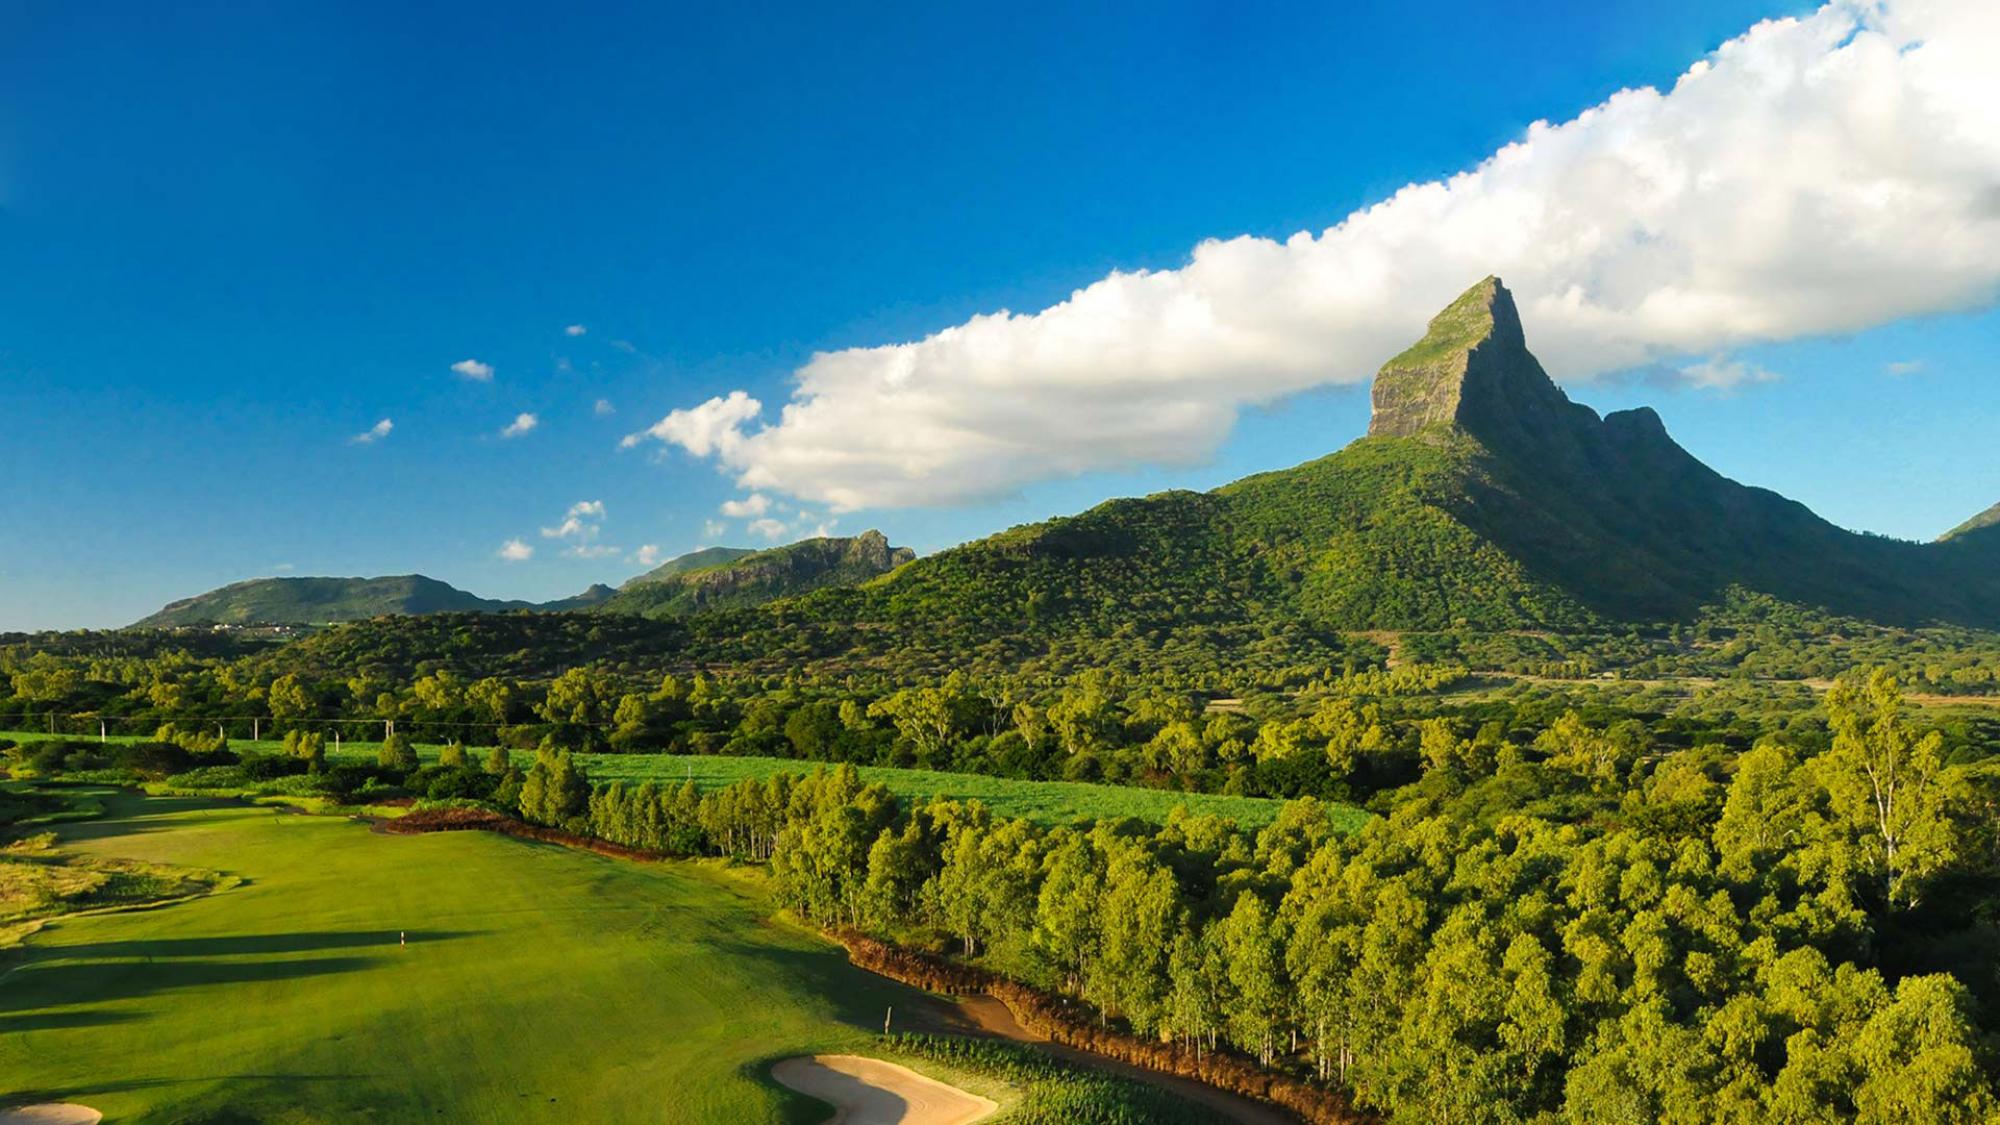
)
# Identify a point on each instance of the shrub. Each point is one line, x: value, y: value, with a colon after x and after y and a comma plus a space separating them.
x: 270, y: 767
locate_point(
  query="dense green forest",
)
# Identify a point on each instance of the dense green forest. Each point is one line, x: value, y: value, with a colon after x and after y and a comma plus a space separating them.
x: 1592, y: 921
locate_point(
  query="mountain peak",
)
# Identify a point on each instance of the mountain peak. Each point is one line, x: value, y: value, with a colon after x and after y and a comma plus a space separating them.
x: 1471, y: 371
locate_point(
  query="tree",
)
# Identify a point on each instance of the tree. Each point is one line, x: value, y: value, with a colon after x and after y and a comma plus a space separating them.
x: 576, y: 696
x: 289, y: 699
x: 556, y: 791
x: 397, y: 754
x: 498, y: 760
x: 1886, y: 783
x: 1258, y: 993
x: 309, y: 746
x: 453, y: 755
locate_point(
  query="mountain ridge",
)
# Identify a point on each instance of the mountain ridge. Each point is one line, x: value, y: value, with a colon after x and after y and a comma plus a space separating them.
x: 693, y: 583
x: 1482, y: 498
x: 315, y: 600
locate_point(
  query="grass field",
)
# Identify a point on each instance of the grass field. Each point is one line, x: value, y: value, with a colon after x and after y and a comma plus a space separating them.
x: 1047, y: 802
x: 539, y: 983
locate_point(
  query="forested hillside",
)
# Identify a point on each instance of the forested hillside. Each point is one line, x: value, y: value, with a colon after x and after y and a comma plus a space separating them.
x: 726, y: 577
x: 319, y: 601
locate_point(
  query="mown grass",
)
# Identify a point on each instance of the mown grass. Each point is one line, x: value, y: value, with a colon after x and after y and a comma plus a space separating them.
x: 1045, y: 802
x: 538, y: 983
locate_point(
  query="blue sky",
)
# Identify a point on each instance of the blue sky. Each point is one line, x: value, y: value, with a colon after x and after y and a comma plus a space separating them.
x: 231, y: 240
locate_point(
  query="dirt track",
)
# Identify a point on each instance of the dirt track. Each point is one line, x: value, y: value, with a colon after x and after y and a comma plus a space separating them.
x: 867, y: 1091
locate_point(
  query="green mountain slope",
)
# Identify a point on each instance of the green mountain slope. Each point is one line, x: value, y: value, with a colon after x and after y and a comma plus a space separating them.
x: 693, y: 560
x: 730, y: 577
x: 317, y: 601
x: 1989, y: 518
x: 1482, y: 498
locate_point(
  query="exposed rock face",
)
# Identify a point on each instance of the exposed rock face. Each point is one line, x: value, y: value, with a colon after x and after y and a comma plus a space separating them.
x: 1472, y: 372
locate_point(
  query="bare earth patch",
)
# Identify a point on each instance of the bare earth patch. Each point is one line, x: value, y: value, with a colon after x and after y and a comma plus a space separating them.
x: 50, y: 1113
x: 867, y: 1091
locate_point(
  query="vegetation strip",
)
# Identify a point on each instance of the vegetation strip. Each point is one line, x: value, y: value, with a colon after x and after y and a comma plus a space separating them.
x: 1063, y: 1022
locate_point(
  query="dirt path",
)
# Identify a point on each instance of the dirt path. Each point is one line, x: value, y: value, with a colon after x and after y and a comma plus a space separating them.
x: 867, y: 1091
x: 51, y: 1113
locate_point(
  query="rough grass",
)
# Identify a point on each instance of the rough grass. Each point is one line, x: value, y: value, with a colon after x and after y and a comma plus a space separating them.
x: 539, y: 983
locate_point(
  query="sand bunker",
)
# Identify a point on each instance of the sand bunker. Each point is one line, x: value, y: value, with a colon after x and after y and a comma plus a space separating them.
x: 53, y: 1113
x: 872, y: 1092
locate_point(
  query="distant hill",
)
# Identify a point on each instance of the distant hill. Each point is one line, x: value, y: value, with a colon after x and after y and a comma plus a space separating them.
x: 319, y: 601
x: 730, y: 577
x: 694, y: 560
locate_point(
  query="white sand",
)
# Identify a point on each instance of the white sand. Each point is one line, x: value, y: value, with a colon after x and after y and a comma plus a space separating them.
x: 872, y: 1092
x: 50, y: 1113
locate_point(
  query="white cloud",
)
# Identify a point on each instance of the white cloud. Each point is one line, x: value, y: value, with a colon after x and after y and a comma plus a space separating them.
x: 283, y: 568
x: 755, y: 504
x: 521, y: 424
x: 513, y: 550
x: 715, y: 426
x: 1814, y: 175
x: 374, y: 433
x: 768, y: 528
x: 604, y: 408
x: 575, y: 330
x: 713, y: 529
x: 648, y: 555
x: 1903, y: 367
x: 475, y: 370
x: 590, y: 551
x: 579, y: 523
x: 1719, y: 373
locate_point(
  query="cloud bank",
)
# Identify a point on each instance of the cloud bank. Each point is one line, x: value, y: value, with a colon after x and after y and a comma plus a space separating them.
x: 1814, y: 175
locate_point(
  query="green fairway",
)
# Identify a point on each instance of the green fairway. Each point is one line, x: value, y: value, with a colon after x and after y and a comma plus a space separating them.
x: 538, y: 983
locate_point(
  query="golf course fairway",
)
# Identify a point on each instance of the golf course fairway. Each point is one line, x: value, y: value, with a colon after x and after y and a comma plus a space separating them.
x: 538, y: 983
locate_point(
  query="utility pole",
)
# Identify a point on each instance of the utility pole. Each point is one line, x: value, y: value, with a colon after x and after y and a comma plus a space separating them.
x: 256, y: 729
x: 885, y: 1019
x: 100, y: 732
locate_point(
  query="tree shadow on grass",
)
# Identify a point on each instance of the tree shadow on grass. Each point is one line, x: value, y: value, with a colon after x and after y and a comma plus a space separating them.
x: 304, y: 941
x: 84, y: 1093
x: 77, y: 985
x: 61, y: 1021
x: 128, y: 814
x: 858, y: 998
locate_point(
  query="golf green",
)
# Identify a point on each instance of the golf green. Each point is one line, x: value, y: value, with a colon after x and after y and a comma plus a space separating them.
x: 537, y: 983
